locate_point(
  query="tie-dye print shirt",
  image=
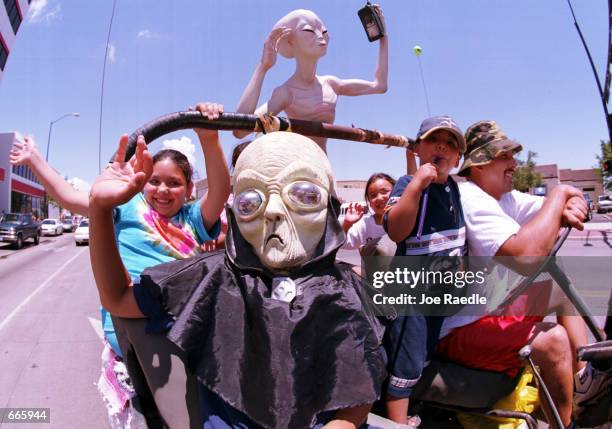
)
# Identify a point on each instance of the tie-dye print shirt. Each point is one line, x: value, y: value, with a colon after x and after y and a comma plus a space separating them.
x: 146, y: 238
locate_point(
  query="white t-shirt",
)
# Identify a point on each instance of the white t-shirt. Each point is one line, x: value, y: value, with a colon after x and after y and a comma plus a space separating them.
x: 490, y: 223
x: 362, y: 231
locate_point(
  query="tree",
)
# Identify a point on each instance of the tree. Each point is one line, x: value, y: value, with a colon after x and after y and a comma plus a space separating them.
x: 525, y: 177
x: 605, y: 155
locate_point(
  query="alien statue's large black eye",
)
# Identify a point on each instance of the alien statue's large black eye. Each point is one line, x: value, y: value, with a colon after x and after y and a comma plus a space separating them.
x: 305, y: 193
x: 247, y: 202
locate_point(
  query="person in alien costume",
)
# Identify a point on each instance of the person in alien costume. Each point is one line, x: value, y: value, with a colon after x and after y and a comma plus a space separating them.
x: 276, y: 332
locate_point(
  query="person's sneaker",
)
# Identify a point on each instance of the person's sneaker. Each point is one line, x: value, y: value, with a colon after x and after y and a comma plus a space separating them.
x: 592, y: 395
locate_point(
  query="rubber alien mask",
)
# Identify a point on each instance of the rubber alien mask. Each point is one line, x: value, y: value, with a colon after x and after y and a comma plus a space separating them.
x: 281, y: 186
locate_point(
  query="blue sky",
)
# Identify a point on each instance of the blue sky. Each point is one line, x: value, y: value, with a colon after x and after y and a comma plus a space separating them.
x: 518, y: 62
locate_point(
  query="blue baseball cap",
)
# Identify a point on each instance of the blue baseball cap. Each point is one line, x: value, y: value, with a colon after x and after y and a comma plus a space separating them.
x: 436, y: 123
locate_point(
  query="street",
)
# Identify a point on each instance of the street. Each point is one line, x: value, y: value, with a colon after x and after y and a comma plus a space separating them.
x: 49, y: 324
x: 49, y: 347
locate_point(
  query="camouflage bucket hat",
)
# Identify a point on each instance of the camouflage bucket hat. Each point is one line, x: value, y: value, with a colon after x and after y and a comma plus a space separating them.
x: 485, y: 142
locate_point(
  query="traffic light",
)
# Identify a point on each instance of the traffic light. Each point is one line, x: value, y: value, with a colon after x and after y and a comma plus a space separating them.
x: 607, y: 166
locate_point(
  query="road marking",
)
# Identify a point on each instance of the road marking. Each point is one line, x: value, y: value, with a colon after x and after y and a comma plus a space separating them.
x: 97, y: 327
x: 38, y: 289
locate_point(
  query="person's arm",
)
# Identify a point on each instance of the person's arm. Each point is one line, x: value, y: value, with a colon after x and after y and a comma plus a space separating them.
x: 355, y: 236
x: 364, y: 87
x: 26, y: 153
x: 117, y: 184
x: 349, y: 418
x: 535, y: 238
x: 402, y: 216
x: 217, y: 173
x: 250, y: 96
x: 411, y: 165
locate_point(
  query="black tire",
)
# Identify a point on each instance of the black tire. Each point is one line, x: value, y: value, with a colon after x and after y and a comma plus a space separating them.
x: 19, y: 242
x: 36, y: 239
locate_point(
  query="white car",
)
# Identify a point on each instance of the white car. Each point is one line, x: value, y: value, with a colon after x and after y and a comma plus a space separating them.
x: 51, y: 227
x: 81, y: 235
x: 604, y: 204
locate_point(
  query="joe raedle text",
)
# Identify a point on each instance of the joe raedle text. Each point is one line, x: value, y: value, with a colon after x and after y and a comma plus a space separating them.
x: 403, y: 286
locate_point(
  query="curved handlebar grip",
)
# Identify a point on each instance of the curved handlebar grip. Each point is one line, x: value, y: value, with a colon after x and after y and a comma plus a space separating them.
x: 245, y: 122
x: 188, y: 120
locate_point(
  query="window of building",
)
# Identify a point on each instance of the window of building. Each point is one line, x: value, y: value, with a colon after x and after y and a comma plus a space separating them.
x: 14, y: 14
x: 3, y: 53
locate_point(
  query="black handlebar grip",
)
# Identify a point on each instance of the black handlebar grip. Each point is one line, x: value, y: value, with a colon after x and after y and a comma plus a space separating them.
x: 188, y: 120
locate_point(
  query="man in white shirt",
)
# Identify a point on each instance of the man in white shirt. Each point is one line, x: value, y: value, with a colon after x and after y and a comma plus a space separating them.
x: 523, y: 228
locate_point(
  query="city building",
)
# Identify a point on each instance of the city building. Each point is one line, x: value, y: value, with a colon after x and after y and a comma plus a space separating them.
x: 12, y: 14
x: 20, y: 190
x: 588, y: 180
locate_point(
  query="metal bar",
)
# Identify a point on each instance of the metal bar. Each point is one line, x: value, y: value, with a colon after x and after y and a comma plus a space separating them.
x: 525, y: 353
x: 239, y: 121
x: 575, y: 298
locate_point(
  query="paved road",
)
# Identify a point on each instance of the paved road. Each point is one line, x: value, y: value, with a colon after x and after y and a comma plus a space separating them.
x: 49, y: 347
x: 49, y: 350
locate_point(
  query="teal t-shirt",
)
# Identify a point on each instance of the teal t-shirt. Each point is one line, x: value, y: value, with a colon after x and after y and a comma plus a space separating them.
x: 145, y: 238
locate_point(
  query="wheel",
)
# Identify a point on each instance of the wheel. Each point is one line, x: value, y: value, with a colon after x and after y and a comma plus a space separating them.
x: 19, y: 242
x: 36, y: 239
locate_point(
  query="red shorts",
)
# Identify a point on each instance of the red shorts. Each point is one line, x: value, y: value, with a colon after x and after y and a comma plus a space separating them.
x: 492, y: 343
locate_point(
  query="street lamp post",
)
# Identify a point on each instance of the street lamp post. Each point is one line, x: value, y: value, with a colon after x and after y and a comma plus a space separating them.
x: 76, y: 115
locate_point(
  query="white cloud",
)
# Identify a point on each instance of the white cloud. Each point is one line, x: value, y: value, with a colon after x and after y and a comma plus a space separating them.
x: 185, y: 146
x: 112, y: 52
x: 39, y: 11
x: 147, y: 34
x: 80, y: 184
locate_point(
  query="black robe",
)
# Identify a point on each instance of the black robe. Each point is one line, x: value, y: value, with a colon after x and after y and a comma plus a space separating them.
x: 279, y: 363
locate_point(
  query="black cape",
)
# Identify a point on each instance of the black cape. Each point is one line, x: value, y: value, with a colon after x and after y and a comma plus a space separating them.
x: 279, y: 363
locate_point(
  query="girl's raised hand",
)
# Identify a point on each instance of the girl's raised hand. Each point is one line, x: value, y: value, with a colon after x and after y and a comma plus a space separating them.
x: 23, y: 151
x: 353, y: 213
x: 209, y: 111
x: 121, y: 180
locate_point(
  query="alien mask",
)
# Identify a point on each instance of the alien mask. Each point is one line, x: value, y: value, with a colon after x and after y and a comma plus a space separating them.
x: 281, y: 186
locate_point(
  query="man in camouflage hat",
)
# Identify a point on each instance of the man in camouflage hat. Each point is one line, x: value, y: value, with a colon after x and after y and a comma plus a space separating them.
x: 504, y: 222
x: 485, y: 142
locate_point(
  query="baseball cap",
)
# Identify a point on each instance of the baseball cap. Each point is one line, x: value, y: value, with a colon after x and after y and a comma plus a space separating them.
x: 435, y: 123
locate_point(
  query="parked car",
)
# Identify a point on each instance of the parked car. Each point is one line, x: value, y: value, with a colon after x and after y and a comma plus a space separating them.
x: 51, y: 227
x: 604, y: 204
x: 81, y: 235
x: 68, y: 225
x: 17, y: 227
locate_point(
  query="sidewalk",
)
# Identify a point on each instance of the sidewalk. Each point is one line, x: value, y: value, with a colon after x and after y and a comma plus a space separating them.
x: 592, y: 231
